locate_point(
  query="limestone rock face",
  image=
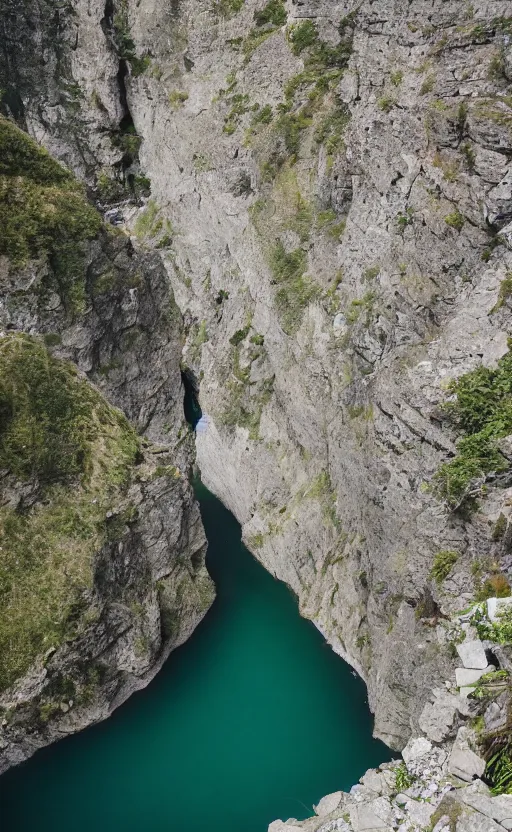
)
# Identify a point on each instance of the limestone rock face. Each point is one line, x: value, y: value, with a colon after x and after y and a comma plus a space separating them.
x: 330, y: 199
x: 102, y: 568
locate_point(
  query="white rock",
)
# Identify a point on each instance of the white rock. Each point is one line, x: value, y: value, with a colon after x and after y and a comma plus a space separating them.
x: 497, y: 605
x: 463, y: 762
x: 372, y: 815
x: 465, y: 677
x: 472, y: 654
x: 419, y: 812
x: 416, y: 748
x: 328, y: 804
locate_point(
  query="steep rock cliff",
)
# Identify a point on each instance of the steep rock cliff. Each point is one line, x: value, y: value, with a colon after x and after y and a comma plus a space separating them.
x: 102, y: 569
x: 330, y: 194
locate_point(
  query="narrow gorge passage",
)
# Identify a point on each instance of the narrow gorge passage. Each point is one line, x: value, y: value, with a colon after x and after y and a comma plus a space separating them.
x: 252, y: 719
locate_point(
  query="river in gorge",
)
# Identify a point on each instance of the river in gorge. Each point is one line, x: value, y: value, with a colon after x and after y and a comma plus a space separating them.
x: 254, y: 718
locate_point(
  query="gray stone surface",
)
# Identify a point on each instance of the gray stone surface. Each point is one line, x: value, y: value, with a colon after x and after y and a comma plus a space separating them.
x: 328, y: 803
x: 401, y: 301
x: 463, y: 762
x: 472, y: 654
x: 466, y: 677
x: 323, y: 435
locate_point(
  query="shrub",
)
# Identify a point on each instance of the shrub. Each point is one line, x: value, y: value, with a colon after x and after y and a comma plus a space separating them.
x: 497, y: 586
x: 386, y: 103
x: 498, y: 770
x: 177, y: 98
x: 442, y: 566
x: 504, y: 294
x: 455, y: 220
x: 227, y: 8
x: 263, y: 115
x: 274, y: 13
x: 428, y: 85
x: 499, y: 631
x: 482, y: 409
x: 302, y: 36
x: 43, y: 214
x: 239, y: 336
x: 403, y: 780
x: 295, y: 290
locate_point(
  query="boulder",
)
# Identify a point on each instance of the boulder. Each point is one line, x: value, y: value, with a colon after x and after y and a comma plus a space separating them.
x: 419, y: 812
x: 463, y: 762
x: 472, y: 654
x: 465, y: 676
x: 497, y: 808
x: 328, y: 804
x: 415, y: 749
x: 372, y: 816
x: 437, y: 718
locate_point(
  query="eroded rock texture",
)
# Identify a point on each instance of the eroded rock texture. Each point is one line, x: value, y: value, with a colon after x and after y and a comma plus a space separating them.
x: 330, y: 195
x: 102, y: 570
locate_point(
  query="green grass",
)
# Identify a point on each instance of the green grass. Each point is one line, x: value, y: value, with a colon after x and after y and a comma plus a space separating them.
x: 443, y: 564
x: 302, y: 36
x: 295, y: 290
x: 78, y: 453
x: 228, y: 8
x: 273, y: 13
x: 455, y: 220
x: 44, y: 215
x: 482, y: 410
x: 504, y: 294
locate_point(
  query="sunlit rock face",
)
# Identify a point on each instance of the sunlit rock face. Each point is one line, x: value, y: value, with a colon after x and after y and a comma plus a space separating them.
x: 329, y: 198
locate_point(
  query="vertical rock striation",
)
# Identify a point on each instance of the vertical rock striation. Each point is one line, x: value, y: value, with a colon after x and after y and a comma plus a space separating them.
x: 330, y: 197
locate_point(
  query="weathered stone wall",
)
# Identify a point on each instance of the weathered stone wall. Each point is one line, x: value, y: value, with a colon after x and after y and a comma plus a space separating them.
x: 125, y: 534
x: 337, y: 259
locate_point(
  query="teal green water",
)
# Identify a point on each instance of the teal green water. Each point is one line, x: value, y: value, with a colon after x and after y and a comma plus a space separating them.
x: 254, y: 718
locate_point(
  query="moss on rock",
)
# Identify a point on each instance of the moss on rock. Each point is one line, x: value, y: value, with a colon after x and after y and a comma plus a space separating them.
x: 77, y: 453
x: 44, y: 214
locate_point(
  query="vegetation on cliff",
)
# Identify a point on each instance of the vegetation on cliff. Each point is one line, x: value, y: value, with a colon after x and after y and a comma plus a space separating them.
x: 66, y: 458
x: 482, y: 409
x: 44, y: 215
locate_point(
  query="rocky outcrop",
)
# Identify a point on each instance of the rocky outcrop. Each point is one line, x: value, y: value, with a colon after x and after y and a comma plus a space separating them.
x: 329, y: 195
x: 439, y: 783
x: 102, y: 571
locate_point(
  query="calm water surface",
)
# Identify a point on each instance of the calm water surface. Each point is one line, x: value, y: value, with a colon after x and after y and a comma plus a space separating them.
x: 254, y: 718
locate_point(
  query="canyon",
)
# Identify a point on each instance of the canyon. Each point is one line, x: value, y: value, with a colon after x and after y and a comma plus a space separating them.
x: 308, y: 213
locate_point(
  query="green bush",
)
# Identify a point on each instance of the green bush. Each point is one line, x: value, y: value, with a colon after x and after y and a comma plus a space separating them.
x: 302, y: 36
x: 483, y: 410
x: 455, y: 220
x: 443, y: 563
x: 239, y: 336
x: 295, y: 289
x: 274, y: 13
x: 228, y: 8
x: 43, y: 214
x: 499, y: 631
x: 403, y: 780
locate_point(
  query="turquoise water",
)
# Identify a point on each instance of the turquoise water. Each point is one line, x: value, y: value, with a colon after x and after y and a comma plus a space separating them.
x: 254, y: 718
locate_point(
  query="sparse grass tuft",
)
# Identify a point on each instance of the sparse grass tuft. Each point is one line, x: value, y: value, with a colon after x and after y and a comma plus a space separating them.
x: 443, y: 564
